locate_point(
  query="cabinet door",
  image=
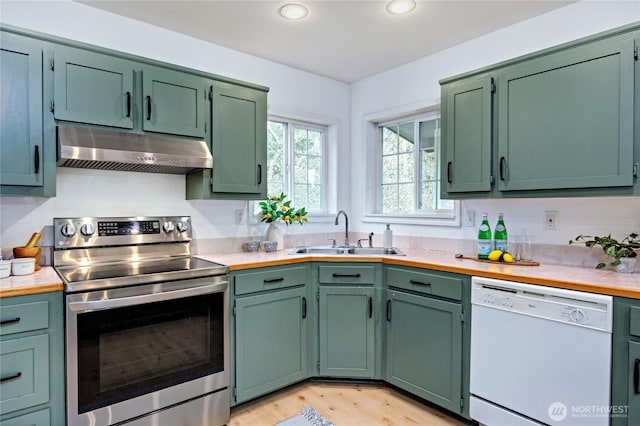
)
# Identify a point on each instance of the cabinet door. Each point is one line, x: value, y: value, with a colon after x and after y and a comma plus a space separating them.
x: 238, y: 143
x: 566, y: 119
x: 24, y: 367
x: 174, y: 102
x: 93, y: 88
x: 346, y: 332
x: 424, y: 348
x: 271, y: 341
x: 633, y: 410
x: 21, y: 150
x: 38, y: 418
x: 467, y: 135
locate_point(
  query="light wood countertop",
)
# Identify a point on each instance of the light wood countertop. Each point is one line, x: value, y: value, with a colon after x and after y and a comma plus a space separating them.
x: 43, y: 281
x: 568, y: 277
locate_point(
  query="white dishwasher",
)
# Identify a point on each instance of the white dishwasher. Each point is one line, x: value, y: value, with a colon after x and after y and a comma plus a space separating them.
x: 539, y: 355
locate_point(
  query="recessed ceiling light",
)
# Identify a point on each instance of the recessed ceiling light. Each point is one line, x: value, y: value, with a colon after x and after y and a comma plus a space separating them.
x: 400, y: 7
x: 293, y: 11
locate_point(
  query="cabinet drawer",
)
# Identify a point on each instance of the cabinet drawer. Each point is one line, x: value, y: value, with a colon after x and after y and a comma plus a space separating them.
x: 270, y: 279
x: 347, y: 275
x: 634, y: 321
x: 24, y: 317
x: 38, y: 418
x: 24, y: 369
x: 424, y: 282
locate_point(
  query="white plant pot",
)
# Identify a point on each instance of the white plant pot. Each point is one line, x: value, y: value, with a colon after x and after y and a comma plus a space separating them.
x: 626, y: 266
x: 275, y: 232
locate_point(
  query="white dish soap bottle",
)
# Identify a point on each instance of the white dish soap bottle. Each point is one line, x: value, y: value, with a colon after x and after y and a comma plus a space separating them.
x: 387, y: 237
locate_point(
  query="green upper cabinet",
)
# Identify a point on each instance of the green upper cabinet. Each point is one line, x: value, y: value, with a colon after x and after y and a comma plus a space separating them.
x: 239, y: 139
x: 93, y: 88
x: 21, y: 138
x: 238, y: 145
x: 467, y: 135
x: 565, y: 120
x: 554, y: 123
x: 100, y: 89
x: 174, y: 102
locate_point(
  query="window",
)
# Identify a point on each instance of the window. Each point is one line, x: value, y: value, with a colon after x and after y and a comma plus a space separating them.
x: 296, y: 162
x: 409, y: 167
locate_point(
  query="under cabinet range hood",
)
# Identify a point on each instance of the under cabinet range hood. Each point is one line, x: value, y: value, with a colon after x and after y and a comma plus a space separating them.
x: 111, y: 150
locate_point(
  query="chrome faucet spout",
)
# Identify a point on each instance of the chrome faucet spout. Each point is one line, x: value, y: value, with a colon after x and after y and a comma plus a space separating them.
x: 346, y: 226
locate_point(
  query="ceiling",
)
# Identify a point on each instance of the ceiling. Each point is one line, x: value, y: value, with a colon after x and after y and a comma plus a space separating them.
x: 342, y: 40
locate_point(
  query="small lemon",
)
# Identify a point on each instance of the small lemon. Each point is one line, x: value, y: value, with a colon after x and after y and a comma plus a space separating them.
x: 287, y: 218
x: 495, y: 255
x: 507, y: 257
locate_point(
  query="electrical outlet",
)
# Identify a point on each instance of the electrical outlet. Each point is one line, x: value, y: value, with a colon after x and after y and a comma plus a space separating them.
x: 470, y: 218
x: 550, y: 220
x: 239, y: 214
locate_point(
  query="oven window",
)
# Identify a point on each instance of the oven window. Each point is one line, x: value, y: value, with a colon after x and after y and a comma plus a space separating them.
x: 134, y: 350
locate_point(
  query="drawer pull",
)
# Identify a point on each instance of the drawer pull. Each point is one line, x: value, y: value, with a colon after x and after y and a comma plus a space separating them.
x: 6, y: 379
x: 274, y: 280
x: 414, y: 282
x: 128, y: 104
x: 346, y: 275
x: 10, y: 321
x: 636, y: 376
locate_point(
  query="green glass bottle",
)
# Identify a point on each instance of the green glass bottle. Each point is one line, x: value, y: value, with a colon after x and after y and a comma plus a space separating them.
x: 485, y: 243
x: 500, y: 235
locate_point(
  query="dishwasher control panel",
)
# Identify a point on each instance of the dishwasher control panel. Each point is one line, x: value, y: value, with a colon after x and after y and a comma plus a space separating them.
x: 554, y: 304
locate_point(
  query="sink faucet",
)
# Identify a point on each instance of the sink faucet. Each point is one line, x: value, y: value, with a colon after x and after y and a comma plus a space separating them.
x: 346, y: 226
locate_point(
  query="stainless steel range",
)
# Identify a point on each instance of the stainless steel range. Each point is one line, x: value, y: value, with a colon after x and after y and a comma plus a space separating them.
x: 147, y: 333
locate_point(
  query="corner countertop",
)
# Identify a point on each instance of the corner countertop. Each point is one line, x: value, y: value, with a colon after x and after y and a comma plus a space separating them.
x: 568, y: 277
x: 43, y: 281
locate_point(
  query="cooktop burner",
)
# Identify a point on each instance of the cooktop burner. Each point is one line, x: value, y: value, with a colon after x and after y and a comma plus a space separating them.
x: 96, y: 253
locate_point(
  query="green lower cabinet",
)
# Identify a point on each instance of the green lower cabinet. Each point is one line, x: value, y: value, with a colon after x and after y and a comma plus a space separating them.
x: 32, y: 360
x: 346, y: 324
x: 270, y: 341
x: 424, y: 348
x: 39, y: 418
x: 633, y: 391
x: 625, y: 362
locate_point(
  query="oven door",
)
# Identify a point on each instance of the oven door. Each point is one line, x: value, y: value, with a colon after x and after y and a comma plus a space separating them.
x: 135, y: 350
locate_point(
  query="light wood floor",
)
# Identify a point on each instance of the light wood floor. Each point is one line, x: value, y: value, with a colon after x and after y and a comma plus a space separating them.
x: 343, y: 404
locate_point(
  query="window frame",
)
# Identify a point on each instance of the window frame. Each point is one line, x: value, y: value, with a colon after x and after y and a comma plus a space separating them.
x: 439, y: 217
x: 289, y: 166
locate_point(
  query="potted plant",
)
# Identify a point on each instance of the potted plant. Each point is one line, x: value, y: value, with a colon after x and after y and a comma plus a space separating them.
x: 622, y: 253
x: 274, y: 211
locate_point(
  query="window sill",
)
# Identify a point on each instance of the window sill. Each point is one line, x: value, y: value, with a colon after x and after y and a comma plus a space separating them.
x: 448, y: 219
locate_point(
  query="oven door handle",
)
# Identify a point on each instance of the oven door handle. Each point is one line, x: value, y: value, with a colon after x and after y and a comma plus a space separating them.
x: 94, y: 305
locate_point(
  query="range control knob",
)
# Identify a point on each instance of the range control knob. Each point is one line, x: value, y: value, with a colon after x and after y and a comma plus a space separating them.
x: 87, y: 229
x: 168, y: 227
x: 182, y: 226
x: 68, y: 230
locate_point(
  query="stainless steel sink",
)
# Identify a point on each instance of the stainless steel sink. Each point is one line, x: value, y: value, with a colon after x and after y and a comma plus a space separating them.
x: 362, y: 251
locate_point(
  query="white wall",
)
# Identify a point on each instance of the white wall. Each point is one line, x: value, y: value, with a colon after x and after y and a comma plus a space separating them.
x: 97, y: 193
x: 415, y: 85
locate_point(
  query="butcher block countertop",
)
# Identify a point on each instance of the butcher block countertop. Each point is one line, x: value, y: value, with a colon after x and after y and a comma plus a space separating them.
x: 569, y: 277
